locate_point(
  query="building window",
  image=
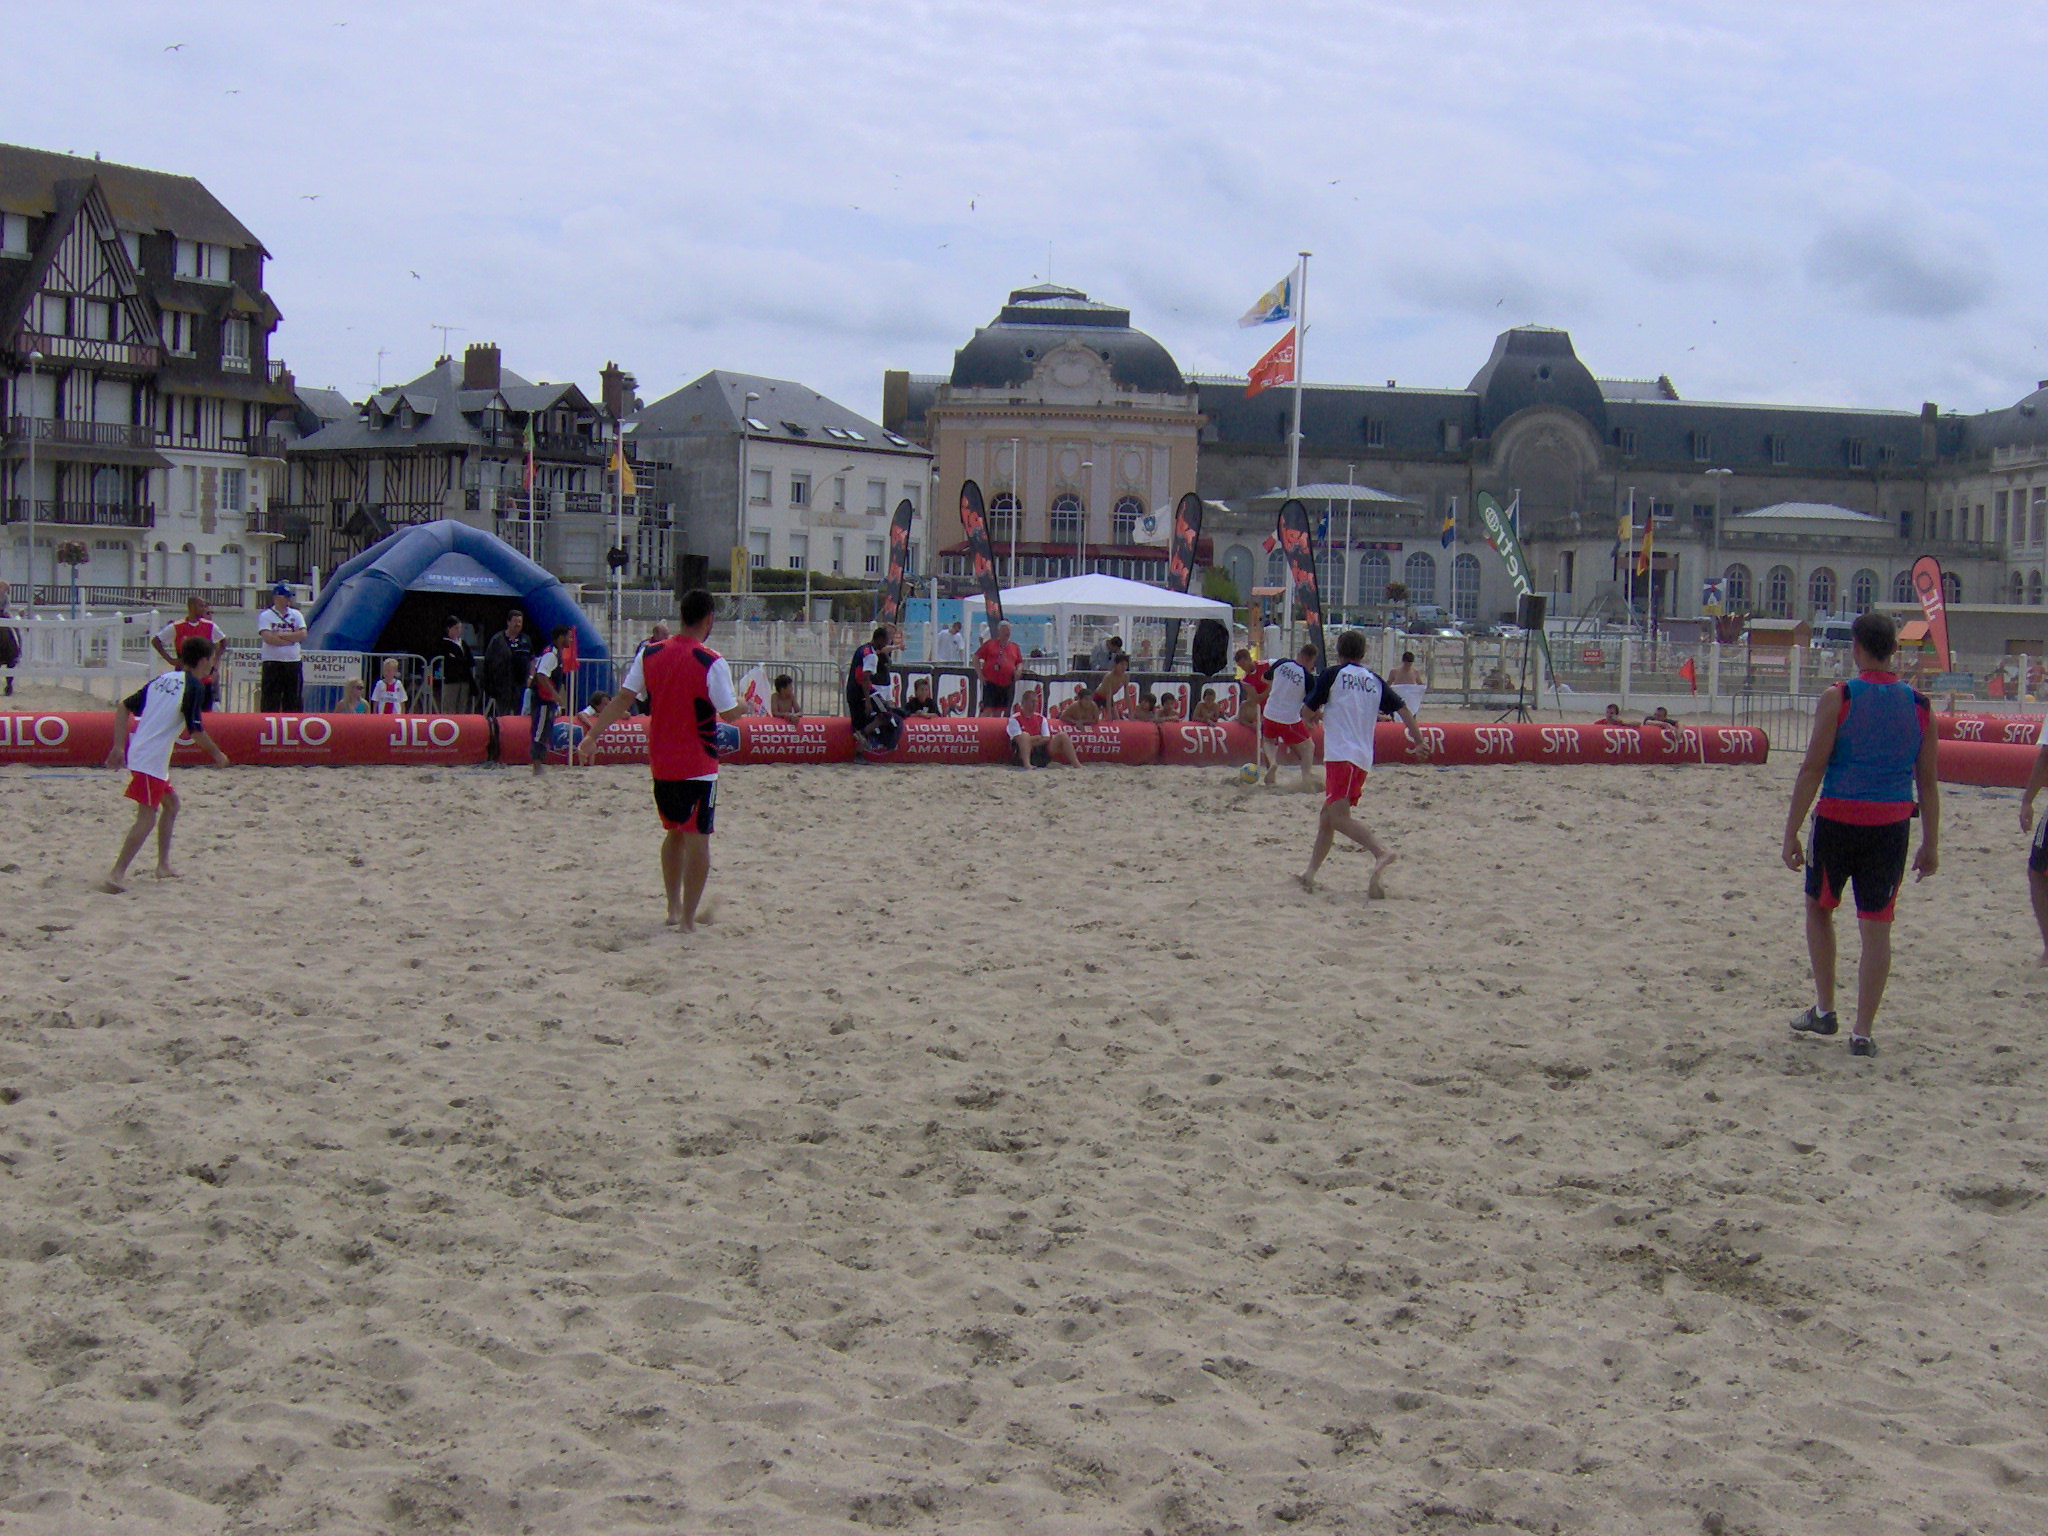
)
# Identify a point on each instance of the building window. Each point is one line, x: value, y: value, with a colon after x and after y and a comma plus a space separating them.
x: 1702, y: 446
x: 1998, y: 514
x: 799, y: 490
x: 97, y: 320
x: 1375, y: 571
x: 1420, y: 575
x: 910, y: 495
x: 1735, y: 584
x: 234, y: 345
x: 1002, y: 516
x: 198, y: 261
x: 1820, y: 591
x: 1902, y: 587
x: 878, y: 496
x: 1465, y: 587
x: 838, y: 554
x: 839, y: 493
x: 2034, y: 589
x: 799, y: 551
x: 1778, y: 592
x: 1625, y: 439
x: 1863, y: 591
x: 1065, y: 524
x: 872, y: 561
x: 2019, y: 587
x: 13, y: 234
x: 1662, y: 511
x: 53, y: 314
x: 1375, y: 433
x: 1123, y: 520
x: 232, y: 489
x: 1276, y: 567
x: 1951, y: 587
x: 760, y: 484
x: 1450, y: 436
x: 1856, y: 453
x: 1775, y: 445
x: 757, y: 548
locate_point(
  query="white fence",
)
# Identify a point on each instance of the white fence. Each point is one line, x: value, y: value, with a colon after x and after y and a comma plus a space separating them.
x: 105, y: 655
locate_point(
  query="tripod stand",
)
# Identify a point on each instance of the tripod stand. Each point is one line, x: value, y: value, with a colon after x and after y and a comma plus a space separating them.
x: 1520, y: 713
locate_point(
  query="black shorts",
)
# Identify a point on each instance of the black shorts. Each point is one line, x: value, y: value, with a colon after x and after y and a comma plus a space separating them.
x: 686, y: 805
x: 997, y: 695
x: 1872, y: 858
x: 2037, y: 856
x: 1041, y: 755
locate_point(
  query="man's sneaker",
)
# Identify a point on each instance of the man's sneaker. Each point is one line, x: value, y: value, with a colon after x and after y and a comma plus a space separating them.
x: 1814, y: 1022
x: 1862, y: 1045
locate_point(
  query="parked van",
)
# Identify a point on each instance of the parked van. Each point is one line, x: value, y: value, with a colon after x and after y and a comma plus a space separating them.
x: 1833, y: 634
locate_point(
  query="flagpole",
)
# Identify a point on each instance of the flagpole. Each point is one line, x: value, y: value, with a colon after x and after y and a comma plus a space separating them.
x: 1630, y: 555
x: 1300, y: 351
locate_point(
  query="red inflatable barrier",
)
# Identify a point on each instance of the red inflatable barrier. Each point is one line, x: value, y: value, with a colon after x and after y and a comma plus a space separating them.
x: 959, y: 739
x: 82, y: 740
x: 1189, y: 743
x: 818, y: 739
x: 2024, y: 730
x: 1986, y: 764
x: 1468, y: 745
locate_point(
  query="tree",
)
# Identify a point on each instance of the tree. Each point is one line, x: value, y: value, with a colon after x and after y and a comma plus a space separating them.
x: 1397, y: 591
x: 1217, y: 584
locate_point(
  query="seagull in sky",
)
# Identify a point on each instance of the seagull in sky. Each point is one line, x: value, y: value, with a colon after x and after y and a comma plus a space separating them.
x: 971, y: 202
x: 415, y: 276
x: 309, y: 197
x: 235, y: 92
x: 174, y: 47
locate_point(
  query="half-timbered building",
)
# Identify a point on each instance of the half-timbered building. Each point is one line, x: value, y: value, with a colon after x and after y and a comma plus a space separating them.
x: 136, y: 386
x: 471, y: 441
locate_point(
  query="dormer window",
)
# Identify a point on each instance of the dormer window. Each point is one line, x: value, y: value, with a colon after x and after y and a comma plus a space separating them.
x: 1855, y: 447
x: 1702, y: 446
x: 1375, y: 433
x: 403, y: 418
x: 794, y: 430
x: 1775, y: 445
x: 201, y: 262
x: 1625, y: 440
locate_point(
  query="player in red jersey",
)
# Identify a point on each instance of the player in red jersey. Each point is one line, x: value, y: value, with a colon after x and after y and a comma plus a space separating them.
x: 688, y: 688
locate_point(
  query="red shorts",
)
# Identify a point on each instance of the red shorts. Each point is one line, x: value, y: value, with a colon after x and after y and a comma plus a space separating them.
x: 147, y: 789
x: 1288, y: 734
x: 1343, y: 781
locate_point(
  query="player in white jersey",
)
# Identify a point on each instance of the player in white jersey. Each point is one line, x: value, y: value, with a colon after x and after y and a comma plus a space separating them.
x: 168, y: 705
x: 1282, y: 731
x: 1352, y: 698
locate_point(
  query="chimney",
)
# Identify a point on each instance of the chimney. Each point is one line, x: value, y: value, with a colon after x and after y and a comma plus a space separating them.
x: 1929, y: 421
x: 895, y: 398
x: 614, y: 390
x: 480, y: 368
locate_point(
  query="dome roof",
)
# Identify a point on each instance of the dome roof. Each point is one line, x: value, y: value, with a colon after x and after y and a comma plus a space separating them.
x: 1037, y: 320
x: 2023, y: 424
x: 1535, y: 365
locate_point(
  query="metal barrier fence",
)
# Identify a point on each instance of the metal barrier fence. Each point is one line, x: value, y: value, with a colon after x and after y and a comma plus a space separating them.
x: 239, y: 679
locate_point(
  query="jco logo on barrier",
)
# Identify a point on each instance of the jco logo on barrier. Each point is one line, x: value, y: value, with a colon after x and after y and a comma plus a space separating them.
x: 1494, y: 741
x: 34, y: 730
x: 294, y: 731
x: 1560, y: 740
x: 418, y: 732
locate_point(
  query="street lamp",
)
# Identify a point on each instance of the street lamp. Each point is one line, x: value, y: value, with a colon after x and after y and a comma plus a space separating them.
x: 1720, y: 479
x: 740, y: 544
x: 1087, y: 485
x: 33, y: 359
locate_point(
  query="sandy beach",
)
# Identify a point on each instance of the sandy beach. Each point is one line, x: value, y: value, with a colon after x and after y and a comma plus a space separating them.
x: 1015, y: 1153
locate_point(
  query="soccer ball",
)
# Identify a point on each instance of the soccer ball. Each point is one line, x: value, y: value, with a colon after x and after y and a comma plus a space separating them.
x: 1248, y: 774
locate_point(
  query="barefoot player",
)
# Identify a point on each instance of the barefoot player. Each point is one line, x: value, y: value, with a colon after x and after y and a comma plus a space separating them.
x: 689, y: 689
x: 1352, y: 698
x: 2037, y: 855
x: 169, y: 705
x: 1282, y: 731
x: 1873, y: 745
x: 1036, y: 739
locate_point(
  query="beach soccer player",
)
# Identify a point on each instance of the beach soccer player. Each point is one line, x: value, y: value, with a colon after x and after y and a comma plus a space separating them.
x: 2037, y: 854
x: 196, y: 625
x: 867, y: 680
x: 1282, y: 731
x: 1036, y: 738
x: 688, y: 688
x: 997, y: 659
x: 1352, y: 698
x: 1873, y: 745
x: 168, y: 705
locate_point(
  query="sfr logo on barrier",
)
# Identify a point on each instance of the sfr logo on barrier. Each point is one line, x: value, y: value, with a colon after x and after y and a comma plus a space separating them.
x: 1741, y: 741
x: 421, y: 731
x: 1624, y: 742
x: 1494, y: 741
x: 1560, y: 739
x: 34, y: 730
x: 294, y: 731
x: 1204, y: 738
x: 1970, y: 730
x: 2022, y: 733
x: 1435, y: 737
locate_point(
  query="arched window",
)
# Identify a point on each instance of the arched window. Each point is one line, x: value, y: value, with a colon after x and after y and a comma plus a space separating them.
x: 1237, y: 560
x: 1374, y: 572
x: 1951, y: 587
x: 1064, y: 526
x: 1902, y: 587
x: 2019, y: 588
x: 1276, y: 567
x: 1002, y: 515
x: 1465, y: 587
x: 1820, y: 591
x: 1123, y: 520
x: 1420, y: 574
x: 1329, y: 578
x: 2034, y: 589
x: 1738, y: 582
x: 1778, y: 593
x: 1863, y: 591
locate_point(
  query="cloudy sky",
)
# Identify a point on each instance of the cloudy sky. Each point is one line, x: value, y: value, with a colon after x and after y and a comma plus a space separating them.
x: 1834, y: 203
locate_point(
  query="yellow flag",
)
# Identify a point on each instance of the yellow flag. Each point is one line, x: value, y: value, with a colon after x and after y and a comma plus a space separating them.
x: 1649, y: 533
x: 628, y: 486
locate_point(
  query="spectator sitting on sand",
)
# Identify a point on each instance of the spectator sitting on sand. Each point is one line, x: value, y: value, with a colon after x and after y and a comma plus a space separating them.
x: 782, y: 703
x: 1206, y: 711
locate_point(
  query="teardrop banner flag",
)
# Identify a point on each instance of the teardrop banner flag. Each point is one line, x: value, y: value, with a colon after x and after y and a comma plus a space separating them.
x: 1933, y: 603
x: 1505, y: 542
x: 899, y: 564
x: 1298, y: 539
x: 974, y: 519
x: 1180, y: 561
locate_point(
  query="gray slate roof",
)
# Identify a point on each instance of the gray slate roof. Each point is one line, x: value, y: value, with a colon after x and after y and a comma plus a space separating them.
x: 715, y: 404
x: 442, y: 408
x: 141, y: 201
x: 1811, y: 511
x: 1039, y: 319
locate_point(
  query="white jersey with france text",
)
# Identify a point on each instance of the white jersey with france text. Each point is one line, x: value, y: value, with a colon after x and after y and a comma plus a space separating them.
x: 1290, y: 683
x: 1352, y: 699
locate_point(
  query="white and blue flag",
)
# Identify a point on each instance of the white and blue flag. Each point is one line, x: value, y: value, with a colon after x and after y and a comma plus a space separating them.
x: 1277, y: 303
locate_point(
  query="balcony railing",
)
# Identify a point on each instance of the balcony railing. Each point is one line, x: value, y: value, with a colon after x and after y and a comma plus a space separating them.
x: 276, y: 370
x: 229, y: 363
x: 168, y: 598
x: 91, y: 434
x: 255, y: 447
x: 506, y: 502
x: 78, y: 514
x: 84, y: 349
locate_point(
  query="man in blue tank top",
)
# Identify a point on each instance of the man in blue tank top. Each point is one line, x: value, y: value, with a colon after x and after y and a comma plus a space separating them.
x: 1873, y: 747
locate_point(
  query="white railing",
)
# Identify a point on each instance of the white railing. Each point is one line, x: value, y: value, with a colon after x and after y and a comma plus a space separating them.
x: 105, y: 655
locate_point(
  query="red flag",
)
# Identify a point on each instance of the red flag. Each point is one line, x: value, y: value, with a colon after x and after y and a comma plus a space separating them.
x: 1276, y: 367
x: 567, y: 655
x: 1927, y: 587
x: 1691, y: 674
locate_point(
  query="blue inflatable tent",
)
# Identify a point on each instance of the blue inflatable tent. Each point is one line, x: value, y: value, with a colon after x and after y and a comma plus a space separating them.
x: 404, y: 582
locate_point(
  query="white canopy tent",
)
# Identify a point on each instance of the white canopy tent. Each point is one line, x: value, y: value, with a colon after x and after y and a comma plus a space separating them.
x: 1090, y: 596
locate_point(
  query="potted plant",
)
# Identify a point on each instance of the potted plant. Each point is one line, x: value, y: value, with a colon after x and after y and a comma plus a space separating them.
x: 74, y: 553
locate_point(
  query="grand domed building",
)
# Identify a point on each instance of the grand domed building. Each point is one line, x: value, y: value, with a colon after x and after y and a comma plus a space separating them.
x: 1080, y: 431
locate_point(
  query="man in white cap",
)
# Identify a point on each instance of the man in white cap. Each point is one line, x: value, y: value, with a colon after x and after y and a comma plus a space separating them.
x: 282, y: 629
